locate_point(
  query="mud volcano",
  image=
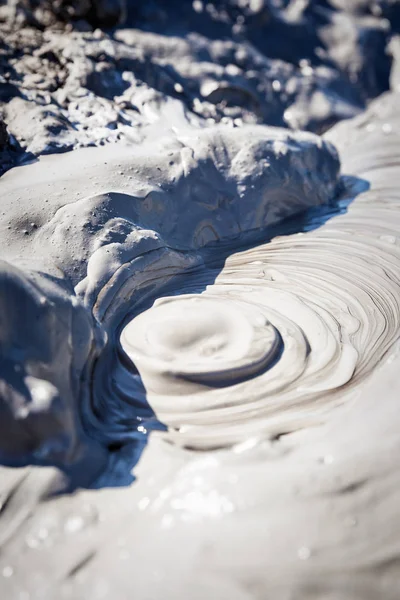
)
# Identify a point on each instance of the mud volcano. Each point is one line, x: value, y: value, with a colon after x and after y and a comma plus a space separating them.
x: 199, y: 300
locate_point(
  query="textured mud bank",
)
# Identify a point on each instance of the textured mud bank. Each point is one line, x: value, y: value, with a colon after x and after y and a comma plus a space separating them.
x: 79, y: 269
x: 199, y: 321
x: 66, y: 84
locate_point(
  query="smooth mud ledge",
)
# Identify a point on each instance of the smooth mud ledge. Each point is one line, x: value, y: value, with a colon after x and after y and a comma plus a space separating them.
x: 199, y: 301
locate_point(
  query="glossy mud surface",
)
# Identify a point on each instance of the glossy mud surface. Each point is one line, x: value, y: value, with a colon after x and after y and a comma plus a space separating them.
x: 199, y: 364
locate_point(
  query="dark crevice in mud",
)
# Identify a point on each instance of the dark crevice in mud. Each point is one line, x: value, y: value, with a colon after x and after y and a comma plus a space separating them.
x: 81, y: 565
x: 352, y: 487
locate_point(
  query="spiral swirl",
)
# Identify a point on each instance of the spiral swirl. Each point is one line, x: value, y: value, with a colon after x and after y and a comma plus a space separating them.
x: 287, y: 330
x: 191, y: 343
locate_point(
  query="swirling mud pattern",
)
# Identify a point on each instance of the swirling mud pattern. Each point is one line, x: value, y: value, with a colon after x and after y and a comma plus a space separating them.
x: 262, y: 343
x: 221, y: 285
x: 287, y: 330
x: 215, y: 343
x: 199, y: 300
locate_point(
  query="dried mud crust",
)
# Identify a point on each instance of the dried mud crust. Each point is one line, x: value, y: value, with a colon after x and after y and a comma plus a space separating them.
x: 76, y: 74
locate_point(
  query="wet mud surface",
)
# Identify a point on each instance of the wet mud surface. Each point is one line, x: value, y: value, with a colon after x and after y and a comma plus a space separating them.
x: 199, y: 300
